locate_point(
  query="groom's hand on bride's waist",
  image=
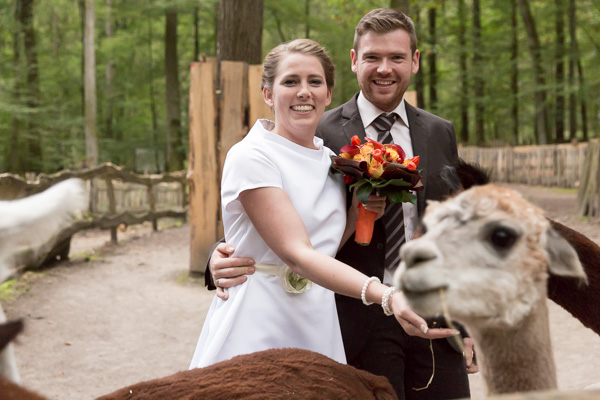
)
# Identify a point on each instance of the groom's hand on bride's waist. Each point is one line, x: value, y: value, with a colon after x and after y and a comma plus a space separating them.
x: 228, y: 271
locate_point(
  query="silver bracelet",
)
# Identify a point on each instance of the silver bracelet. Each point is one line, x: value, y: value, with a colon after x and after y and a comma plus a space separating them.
x: 363, y: 294
x: 385, y: 301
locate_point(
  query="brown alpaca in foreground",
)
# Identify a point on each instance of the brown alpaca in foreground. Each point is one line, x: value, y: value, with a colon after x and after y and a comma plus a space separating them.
x: 271, y: 374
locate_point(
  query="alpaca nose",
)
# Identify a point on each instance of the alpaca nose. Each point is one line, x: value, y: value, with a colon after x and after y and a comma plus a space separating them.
x: 417, y: 252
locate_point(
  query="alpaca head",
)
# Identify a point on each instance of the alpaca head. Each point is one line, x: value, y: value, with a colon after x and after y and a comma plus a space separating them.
x: 485, y: 255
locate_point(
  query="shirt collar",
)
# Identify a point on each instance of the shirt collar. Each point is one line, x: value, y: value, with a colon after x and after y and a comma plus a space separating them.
x: 368, y: 111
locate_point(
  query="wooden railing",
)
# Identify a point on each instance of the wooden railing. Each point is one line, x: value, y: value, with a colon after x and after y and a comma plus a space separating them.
x: 116, y: 197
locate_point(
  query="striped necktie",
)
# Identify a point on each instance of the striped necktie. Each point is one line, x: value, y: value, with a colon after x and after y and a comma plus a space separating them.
x: 393, y: 218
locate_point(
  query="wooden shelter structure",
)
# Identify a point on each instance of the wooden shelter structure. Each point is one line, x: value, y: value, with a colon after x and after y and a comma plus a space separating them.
x: 224, y: 102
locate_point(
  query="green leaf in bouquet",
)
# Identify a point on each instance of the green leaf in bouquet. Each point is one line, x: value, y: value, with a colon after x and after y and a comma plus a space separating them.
x: 363, y: 191
x: 393, y: 182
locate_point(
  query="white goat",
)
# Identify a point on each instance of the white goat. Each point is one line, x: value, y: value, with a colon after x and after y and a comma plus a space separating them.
x: 33, y: 224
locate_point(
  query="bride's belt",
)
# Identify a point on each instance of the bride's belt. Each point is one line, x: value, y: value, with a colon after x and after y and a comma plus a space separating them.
x: 291, y: 281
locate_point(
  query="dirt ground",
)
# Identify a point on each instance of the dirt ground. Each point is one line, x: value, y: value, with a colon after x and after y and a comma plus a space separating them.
x: 118, y: 314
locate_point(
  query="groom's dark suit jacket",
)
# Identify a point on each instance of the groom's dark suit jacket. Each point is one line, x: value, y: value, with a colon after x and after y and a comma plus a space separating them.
x: 434, y: 140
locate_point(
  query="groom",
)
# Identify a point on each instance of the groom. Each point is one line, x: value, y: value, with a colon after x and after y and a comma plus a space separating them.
x: 384, y: 58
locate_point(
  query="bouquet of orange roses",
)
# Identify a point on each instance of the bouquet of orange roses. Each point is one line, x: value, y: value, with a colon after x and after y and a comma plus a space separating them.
x: 373, y: 167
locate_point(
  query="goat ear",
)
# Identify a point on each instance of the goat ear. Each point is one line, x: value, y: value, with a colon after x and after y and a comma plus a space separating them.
x: 564, y: 260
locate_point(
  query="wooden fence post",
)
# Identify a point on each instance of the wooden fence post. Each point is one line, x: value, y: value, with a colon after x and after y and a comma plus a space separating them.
x: 152, y: 203
x: 588, y: 195
x: 203, y: 173
x: 232, y: 111
x: 112, y: 207
x: 256, y: 102
x: 240, y: 104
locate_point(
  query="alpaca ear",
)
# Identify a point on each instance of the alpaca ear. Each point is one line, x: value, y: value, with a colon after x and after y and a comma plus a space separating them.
x: 564, y: 260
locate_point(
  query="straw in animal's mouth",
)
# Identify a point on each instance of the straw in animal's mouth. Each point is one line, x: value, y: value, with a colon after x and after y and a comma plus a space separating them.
x: 451, y: 325
x: 459, y: 342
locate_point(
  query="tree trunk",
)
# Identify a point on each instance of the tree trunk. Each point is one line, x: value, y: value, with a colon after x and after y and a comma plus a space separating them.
x: 541, y: 113
x: 478, y: 77
x: 196, y: 33
x: 431, y: 13
x: 464, y: 74
x: 279, y: 25
x: 572, y: 60
x: 514, y: 72
x: 307, y: 16
x: 34, y: 158
x: 401, y: 5
x: 108, y: 75
x: 13, y: 154
x: 174, y: 159
x: 155, y: 146
x: 91, y: 140
x: 560, y: 72
x: 583, y: 101
x: 240, y: 31
x: 419, y: 81
x: 27, y: 92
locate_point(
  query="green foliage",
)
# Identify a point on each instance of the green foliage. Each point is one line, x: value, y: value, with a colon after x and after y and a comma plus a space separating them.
x: 131, y: 115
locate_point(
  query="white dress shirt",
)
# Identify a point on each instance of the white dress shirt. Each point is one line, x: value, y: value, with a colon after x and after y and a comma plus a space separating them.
x: 401, y: 135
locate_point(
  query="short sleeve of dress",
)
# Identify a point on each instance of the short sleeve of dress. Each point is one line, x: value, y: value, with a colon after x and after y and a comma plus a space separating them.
x: 246, y: 168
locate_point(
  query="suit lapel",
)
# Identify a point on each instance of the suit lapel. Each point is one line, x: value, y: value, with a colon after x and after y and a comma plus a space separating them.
x: 352, y: 123
x: 418, y: 137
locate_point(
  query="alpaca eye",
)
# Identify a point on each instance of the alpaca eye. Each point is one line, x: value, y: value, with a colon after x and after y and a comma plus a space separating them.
x: 503, y: 238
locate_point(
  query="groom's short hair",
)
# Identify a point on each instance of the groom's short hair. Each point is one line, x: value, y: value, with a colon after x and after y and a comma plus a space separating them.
x: 384, y: 20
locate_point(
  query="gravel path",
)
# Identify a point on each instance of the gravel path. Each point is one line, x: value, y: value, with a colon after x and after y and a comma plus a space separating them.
x: 130, y: 312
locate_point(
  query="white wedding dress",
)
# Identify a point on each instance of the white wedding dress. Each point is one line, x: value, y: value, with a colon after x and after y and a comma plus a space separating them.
x: 259, y: 313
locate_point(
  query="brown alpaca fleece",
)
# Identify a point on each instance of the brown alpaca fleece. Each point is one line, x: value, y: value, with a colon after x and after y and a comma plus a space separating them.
x: 581, y: 300
x: 270, y: 374
x: 12, y: 391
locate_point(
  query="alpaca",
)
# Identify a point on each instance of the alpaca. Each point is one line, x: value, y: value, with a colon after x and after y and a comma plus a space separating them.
x: 561, y: 289
x: 30, y: 226
x: 485, y: 257
x: 273, y: 374
x: 568, y: 292
x: 269, y: 374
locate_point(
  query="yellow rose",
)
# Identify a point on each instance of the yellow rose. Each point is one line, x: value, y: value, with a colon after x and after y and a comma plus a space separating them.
x: 375, y: 169
x: 367, y: 149
x: 393, y: 153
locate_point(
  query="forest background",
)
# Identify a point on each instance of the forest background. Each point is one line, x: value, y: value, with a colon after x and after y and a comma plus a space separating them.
x: 89, y: 81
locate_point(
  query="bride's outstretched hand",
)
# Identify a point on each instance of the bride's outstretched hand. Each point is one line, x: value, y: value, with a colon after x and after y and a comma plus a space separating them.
x: 413, y: 324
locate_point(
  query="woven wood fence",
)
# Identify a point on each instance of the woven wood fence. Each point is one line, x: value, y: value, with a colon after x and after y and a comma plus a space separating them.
x: 559, y: 165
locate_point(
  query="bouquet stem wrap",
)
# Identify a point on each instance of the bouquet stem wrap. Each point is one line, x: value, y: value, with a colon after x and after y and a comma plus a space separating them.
x: 364, y: 225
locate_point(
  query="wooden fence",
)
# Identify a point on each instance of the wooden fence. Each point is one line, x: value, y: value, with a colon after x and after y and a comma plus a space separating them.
x: 221, y: 113
x: 559, y: 165
x: 116, y: 197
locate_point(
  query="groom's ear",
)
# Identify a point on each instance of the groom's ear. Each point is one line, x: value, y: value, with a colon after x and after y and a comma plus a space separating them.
x: 354, y: 57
